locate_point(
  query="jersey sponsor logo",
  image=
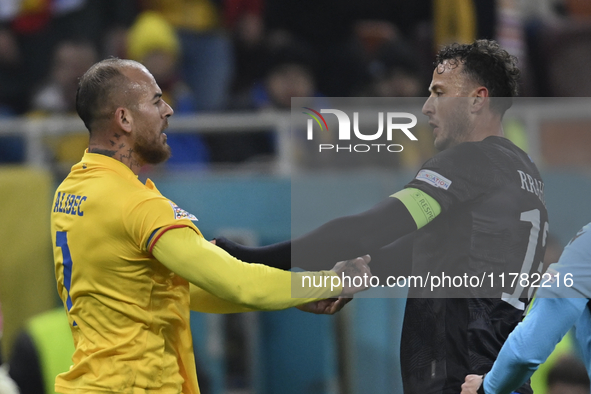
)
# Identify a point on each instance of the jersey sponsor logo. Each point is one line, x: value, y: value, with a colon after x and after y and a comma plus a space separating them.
x: 69, y: 204
x: 434, y: 179
x: 180, y: 213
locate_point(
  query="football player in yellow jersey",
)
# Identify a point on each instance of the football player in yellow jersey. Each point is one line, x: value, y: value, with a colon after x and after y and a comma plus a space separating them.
x: 130, y: 264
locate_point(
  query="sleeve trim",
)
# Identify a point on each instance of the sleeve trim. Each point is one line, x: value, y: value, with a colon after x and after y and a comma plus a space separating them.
x: 164, y: 229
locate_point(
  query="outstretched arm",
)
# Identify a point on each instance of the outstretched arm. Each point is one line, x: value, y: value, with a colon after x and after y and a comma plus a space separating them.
x: 346, y: 237
x: 253, y: 286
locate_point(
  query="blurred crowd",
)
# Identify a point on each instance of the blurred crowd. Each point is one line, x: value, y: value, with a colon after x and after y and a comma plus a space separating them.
x: 253, y: 55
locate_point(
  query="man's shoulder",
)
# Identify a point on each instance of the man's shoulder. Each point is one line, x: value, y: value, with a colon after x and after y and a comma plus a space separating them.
x: 464, y: 156
x: 494, y: 151
x: 493, y: 144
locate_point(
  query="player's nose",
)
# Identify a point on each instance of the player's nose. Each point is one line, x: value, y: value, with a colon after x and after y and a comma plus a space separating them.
x: 168, y: 111
x: 428, y: 107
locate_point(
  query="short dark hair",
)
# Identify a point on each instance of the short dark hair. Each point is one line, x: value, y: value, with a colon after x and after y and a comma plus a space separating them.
x: 489, y: 65
x: 96, y: 88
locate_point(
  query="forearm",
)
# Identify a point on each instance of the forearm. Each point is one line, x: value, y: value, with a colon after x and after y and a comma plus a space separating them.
x: 346, y: 237
x: 254, y: 286
x: 350, y: 236
x: 394, y: 259
x: 205, y: 302
x: 277, y: 255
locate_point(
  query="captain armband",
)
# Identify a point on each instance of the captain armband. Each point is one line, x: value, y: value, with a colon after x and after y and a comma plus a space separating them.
x: 422, y: 207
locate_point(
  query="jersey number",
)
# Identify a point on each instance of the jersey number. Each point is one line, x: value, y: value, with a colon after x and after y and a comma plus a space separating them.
x: 533, y: 217
x: 61, y: 241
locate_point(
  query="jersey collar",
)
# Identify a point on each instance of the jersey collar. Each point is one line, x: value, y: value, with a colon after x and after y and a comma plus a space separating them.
x: 90, y: 160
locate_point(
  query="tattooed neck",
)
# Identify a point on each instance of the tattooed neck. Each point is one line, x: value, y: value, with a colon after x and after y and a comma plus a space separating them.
x: 100, y: 151
x: 118, y: 148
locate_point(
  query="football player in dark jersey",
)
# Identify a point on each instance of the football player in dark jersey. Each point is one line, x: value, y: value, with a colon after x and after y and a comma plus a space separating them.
x: 475, y: 208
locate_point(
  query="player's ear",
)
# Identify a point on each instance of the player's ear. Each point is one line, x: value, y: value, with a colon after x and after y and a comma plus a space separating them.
x: 124, y: 118
x: 480, y: 99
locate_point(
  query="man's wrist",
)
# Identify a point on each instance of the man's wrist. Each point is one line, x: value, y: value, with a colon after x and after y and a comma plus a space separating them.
x: 481, y: 388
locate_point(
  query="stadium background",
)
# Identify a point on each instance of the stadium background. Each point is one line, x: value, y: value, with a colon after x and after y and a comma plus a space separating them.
x: 235, y: 165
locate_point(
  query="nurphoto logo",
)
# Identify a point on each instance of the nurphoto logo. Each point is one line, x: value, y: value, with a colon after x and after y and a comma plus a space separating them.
x: 395, y: 122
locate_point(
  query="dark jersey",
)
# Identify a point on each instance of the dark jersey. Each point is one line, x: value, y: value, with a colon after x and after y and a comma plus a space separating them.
x: 493, y: 221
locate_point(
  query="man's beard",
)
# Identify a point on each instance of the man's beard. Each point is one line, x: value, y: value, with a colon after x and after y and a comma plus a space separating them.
x: 457, y: 126
x: 151, y: 151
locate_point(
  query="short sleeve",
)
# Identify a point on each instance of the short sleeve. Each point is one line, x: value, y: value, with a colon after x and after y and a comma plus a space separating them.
x: 149, y: 215
x: 457, y: 175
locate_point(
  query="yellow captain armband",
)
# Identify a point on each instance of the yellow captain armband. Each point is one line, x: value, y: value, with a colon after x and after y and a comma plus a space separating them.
x: 422, y: 207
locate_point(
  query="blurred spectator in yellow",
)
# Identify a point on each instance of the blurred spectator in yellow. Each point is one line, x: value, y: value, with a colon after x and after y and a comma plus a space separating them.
x: 454, y: 21
x: 206, y: 49
x: 153, y: 42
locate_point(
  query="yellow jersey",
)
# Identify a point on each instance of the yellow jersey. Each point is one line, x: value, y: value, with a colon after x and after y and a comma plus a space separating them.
x: 129, y: 314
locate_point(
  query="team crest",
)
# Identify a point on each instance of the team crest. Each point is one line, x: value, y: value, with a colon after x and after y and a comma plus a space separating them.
x: 180, y: 213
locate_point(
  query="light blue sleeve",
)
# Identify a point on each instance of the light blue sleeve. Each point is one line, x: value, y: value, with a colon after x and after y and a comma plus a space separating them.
x: 575, y: 262
x: 554, y: 311
x: 532, y: 341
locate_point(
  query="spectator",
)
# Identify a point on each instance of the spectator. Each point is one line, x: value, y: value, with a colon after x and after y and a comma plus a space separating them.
x: 568, y: 376
x: 244, y: 19
x: 57, y: 96
x: 287, y: 73
x: 71, y: 59
x: 153, y: 42
x: 31, y: 30
x: 328, y: 34
x: 395, y: 72
x: 207, y: 59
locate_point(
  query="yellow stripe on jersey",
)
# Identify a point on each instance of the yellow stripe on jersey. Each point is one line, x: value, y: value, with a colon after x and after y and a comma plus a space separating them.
x: 421, y: 206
